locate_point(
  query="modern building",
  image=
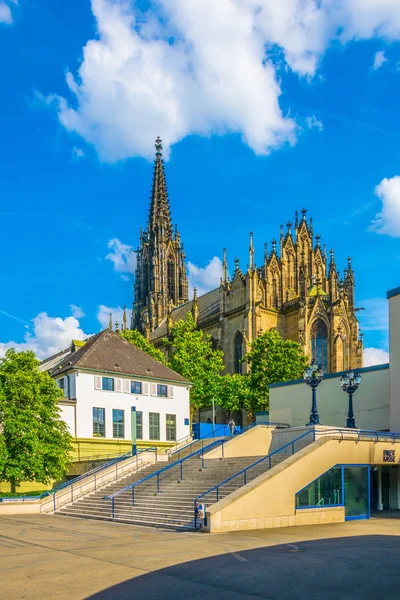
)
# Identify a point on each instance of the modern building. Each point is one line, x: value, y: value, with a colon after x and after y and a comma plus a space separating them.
x: 103, y: 380
x: 296, y: 289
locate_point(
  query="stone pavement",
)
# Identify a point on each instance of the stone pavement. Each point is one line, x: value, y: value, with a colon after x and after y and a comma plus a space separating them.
x: 67, y: 558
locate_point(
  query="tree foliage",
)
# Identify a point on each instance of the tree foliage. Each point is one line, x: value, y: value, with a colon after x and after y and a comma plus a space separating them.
x: 192, y: 356
x: 137, y: 339
x: 234, y: 393
x: 35, y: 444
x: 271, y: 360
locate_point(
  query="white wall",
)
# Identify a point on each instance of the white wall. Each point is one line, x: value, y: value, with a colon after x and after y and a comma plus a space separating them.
x: 394, y: 348
x: 67, y: 414
x: 291, y: 403
x: 88, y: 397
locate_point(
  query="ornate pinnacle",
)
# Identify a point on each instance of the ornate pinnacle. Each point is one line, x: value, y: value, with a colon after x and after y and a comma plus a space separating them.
x: 225, y: 268
x: 303, y: 214
x: 124, y: 320
x: 289, y: 226
x: 110, y: 325
x: 296, y: 222
x: 332, y: 253
x: 158, y: 146
x: 251, y: 251
x: 265, y: 250
x: 236, y: 264
x: 274, y: 245
x: 318, y: 239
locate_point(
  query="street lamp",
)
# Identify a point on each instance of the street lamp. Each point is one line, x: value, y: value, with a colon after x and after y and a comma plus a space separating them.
x: 313, y: 375
x: 350, y: 382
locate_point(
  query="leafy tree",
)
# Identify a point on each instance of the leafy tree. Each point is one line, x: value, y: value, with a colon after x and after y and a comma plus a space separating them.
x: 234, y: 393
x: 192, y: 356
x: 35, y: 444
x: 271, y: 360
x: 137, y: 339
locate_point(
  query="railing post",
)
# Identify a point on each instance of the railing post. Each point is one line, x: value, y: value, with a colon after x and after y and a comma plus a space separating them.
x: 158, y: 483
x: 54, y: 502
x: 195, y: 515
x: 217, y: 493
x: 181, y: 464
x: 202, y: 460
x: 95, y: 482
x: 133, y: 496
x: 270, y: 461
x: 156, y: 454
x: 112, y: 508
x: 292, y: 447
x: 244, y: 478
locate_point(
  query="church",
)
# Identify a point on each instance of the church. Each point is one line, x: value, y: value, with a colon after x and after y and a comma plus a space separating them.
x: 296, y: 291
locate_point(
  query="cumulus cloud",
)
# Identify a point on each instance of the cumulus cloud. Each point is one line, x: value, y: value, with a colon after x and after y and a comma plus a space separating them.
x: 204, y: 278
x: 152, y: 70
x: 314, y: 123
x: 50, y: 335
x: 387, y: 221
x: 379, y: 60
x: 77, y: 311
x: 375, y: 356
x: 122, y: 256
x: 103, y: 315
x: 5, y: 14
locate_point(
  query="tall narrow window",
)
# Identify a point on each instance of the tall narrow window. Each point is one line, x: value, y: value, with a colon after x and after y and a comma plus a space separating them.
x: 154, y: 426
x: 238, y: 352
x: 107, y: 384
x: 139, y: 425
x: 171, y: 279
x: 118, y: 423
x: 171, y: 427
x: 99, y: 428
x: 319, y: 343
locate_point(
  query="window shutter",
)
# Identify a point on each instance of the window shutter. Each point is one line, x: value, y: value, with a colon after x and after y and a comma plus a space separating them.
x: 170, y: 391
x: 97, y: 382
x: 145, y: 388
x: 118, y: 385
x: 153, y: 389
x: 127, y: 386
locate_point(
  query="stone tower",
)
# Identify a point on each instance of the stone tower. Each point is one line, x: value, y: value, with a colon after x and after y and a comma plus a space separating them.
x: 160, y: 279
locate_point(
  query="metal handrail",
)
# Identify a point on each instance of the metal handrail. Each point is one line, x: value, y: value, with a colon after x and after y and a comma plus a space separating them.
x: 169, y: 449
x: 84, y: 476
x: 180, y: 462
x: 244, y: 471
x: 202, y: 440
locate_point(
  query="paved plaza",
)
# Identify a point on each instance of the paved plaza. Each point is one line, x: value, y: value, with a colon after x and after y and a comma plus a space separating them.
x: 73, y: 559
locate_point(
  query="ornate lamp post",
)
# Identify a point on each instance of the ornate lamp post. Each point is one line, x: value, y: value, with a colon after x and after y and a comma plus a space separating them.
x: 350, y: 382
x: 313, y: 376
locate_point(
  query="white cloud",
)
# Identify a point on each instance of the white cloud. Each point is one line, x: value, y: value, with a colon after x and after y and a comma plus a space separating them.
x: 50, y: 335
x: 204, y: 278
x: 388, y: 220
x: 5, y: 14
x: 77, y: 311
x: 379, y: 60
x: 375, y: 356
x: 122, y: 256
x: 375, y: 317
x: 77, y: 152
x: 103, y: 315
x: 155, y: 71
x: 314, y: 123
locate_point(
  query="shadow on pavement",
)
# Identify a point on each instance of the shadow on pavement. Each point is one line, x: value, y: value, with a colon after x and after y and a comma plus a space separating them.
x: 356, y: 568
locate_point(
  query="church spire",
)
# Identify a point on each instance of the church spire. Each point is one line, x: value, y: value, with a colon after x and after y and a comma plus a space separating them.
x: 251, y: 252
x: 160, y: 214
x: 225, y: 268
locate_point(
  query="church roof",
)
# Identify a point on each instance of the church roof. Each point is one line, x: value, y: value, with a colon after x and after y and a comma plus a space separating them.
x: 107, y: 351
x: 209, y: 305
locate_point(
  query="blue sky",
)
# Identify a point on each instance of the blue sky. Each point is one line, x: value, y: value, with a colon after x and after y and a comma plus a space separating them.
x: 263, y: 110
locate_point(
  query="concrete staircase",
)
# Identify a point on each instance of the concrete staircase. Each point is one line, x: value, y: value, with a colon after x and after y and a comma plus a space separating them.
x: 173, y: 506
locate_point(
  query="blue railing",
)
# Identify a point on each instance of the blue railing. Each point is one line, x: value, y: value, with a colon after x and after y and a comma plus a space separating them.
x: 243, y: 472
x: 203, y: 441
x: 157, y: 475
x: 81, y: 478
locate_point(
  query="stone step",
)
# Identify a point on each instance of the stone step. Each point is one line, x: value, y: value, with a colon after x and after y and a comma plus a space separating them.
x: 185, y: 527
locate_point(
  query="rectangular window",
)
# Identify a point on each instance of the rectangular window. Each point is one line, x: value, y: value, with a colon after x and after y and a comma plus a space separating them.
x: 136, y: 387
x: 118, y: 423
x: 171, y: 428
x: 154, y: 426
x: 327, y: 490
x: 162, y: 390
x: 99, y: 428
x: 107, y: 384
x: 139, y: 425
x: 61, y: 383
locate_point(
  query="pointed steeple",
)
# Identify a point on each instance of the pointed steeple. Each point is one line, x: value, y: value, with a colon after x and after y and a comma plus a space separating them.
x: 110, y: 324
x: 251, y: 252
x: 124, y: 320
x: 160, y: 214
x: 195, y: 306
x: 224, y: 268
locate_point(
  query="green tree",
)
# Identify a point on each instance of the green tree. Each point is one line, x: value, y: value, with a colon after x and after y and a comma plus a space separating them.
x: 192, y: 356
x: 271, y: 360
x: 137, y: 339
x: 35, y: 444
x: 234, y: 393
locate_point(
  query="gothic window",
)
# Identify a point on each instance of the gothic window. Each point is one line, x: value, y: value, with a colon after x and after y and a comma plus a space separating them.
x: 319, y: 343
x: 275, y: 292
x: 171, y: 278
x: 238, y: 352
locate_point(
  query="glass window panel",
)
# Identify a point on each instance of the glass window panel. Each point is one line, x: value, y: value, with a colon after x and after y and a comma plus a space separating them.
x: 162, y: 390
x: 139, y: 425
x: 108, y: 384
x: 99, y: 429
x: 325, y: 491
x: 136, y: 387
x: 118, y: 423
x: 154, y: 426
x: 356, y: 491
x: 171, y: 427
x: 61, y: 383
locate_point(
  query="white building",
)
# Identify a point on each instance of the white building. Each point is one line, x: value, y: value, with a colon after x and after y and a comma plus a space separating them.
x: 105, y: 378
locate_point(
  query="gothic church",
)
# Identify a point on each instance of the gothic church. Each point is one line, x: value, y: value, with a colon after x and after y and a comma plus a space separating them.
x: 296, y: 291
